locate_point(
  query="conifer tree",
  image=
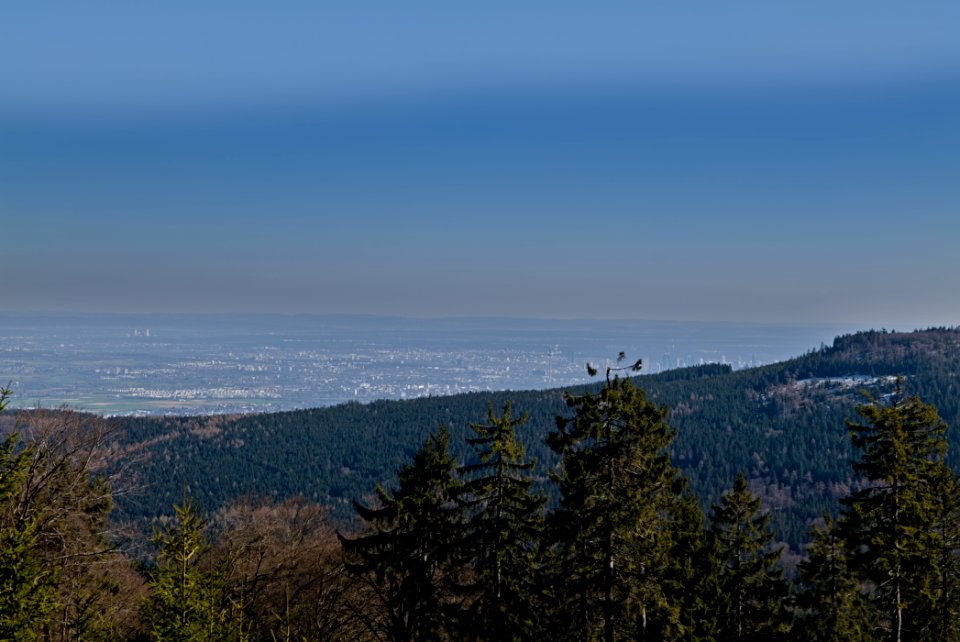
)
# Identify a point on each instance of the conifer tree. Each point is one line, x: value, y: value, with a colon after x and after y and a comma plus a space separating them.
x: 27, y: 587
x: 891, y: 524
x: 752, y: 586
x: 689, y: 581
x: 412, y: 559
x: 186, y: 600
x: 55, y: 561
x: 830, y: 601
x: 617, y: 491
x: 943, y: 623
x: 503, y: 531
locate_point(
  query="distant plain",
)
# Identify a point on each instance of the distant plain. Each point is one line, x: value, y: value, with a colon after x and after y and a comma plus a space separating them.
x: 193, y: 364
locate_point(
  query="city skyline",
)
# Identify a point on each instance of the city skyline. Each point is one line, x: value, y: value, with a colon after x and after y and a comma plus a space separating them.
x: 745, y: 163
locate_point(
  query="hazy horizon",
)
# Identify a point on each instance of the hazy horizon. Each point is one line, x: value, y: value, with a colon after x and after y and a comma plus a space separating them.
x: 736, y: 163
x: 188, y: 364
x: 413, y: 318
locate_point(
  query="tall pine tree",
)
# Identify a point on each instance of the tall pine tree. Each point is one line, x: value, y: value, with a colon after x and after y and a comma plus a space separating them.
x: 617, y: 492
x: 688, y: 582
x: 752, y: 585
x: 412, y: 559
x: 186, y: 602
x: 891, y: 524
x: 27, y: 586
x: 830, y: 603
x: 56, y: 566
x: 943, y: 622
x: 503, y: 531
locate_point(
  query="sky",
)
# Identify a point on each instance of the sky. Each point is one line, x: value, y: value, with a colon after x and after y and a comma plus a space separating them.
x: 738, y: 161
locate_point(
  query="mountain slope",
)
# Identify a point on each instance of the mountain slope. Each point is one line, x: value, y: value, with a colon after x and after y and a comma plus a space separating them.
x: 782, y: 424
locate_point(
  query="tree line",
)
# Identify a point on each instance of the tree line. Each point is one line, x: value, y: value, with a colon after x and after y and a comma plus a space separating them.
x: 472, y: 549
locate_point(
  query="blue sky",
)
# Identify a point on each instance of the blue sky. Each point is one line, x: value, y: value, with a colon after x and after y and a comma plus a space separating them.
x: 706, y: 161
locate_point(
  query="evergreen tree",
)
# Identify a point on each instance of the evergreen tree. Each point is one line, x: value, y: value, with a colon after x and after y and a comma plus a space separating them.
x: 943, y: 623
x: 412, y: 559
x: 503, y: 531
x: 751, y: 583
x: 891, y: 524
x: 617, y: 492
x: 689, y: 583
x: 186, y: 600
x: 831, y: 603
x: 57, y: 569
x: 27, y: 587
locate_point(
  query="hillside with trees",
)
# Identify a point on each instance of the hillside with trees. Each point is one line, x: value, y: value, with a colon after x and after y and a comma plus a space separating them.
x: 634, y: 508
x: 782, y: 425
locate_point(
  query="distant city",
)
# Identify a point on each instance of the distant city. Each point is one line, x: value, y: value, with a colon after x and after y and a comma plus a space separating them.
x: 150, y: 365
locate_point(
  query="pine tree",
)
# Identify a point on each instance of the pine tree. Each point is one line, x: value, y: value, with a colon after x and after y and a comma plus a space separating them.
x: 503, y: 531
x: 186, y: 600
x: 943, y: 623
x: 891, y: 524
x: 27, y: 587
x: 412, y: 559
x: 57, y: 568
x: 752, y: 586
x: 618, y: 490
x: 830, y: 600
x: 689, y: 582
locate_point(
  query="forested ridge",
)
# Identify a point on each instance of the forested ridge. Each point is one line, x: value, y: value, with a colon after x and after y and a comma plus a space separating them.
x: 778, y: 424
x: 811, y: 499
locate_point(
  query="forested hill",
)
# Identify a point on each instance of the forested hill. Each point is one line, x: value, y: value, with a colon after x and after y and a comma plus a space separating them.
x: 782, y: 425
